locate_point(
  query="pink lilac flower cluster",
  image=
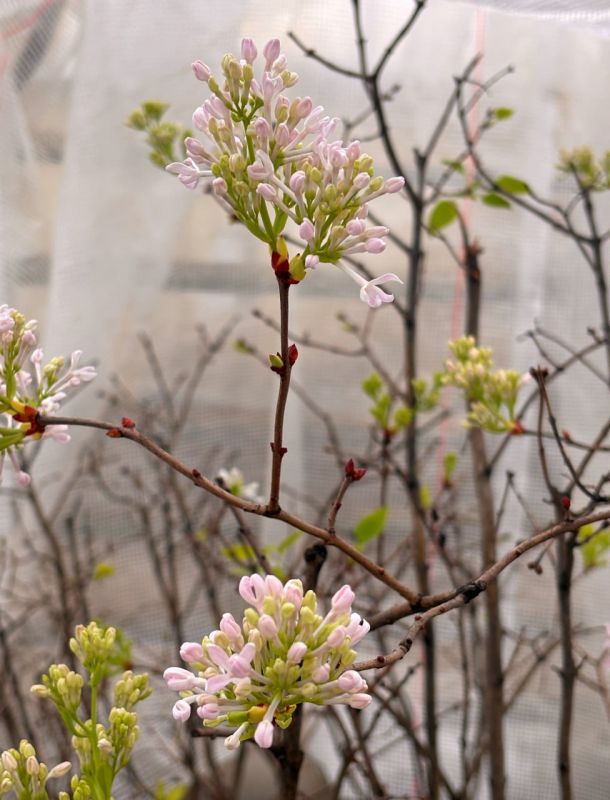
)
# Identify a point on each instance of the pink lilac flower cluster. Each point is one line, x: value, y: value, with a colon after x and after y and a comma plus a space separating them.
x: 252, y: 676
x: 271, y: 159
x: 28, y: 387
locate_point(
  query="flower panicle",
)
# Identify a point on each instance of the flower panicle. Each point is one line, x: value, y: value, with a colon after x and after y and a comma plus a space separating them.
x: 29, y: 387
x: 251, y: 677
x: 271, y: 159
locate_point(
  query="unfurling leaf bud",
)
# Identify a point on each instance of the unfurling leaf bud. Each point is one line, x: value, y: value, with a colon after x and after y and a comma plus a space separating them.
x: 354, y: 473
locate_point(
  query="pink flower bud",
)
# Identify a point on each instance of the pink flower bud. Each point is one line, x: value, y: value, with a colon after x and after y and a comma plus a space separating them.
x: 248, y: 50
x: 353, y: 150
x: 219, y: 186
x: 200, y: 119
x: 297, y: 181
x: 194, y: 147
x: 201, y: 71
x: 306, y: 230
x: 351, y: 681
x: 231, y: 629
x: 274, y: 586
x: 336, y: 637
x: 375, y: 246
x: 355, y: 227
x: 266, y: 191
x: 191, y: 651
x: 321, y: 674
x: 362, y: 180
x: 359, y: 700
x: 343, y: 599
x: 208, y: 711
x: 393, y: 185
x: 303, y: 108
x: 179, y: 679
x: 271, y: 51
x: 267, y: 626
x: 282, y: 134
x: 181, y: 710
x: 262, y: 128
x: 293, y: 592
x: 296, y: 652
x: 264, y: 734
x: 311, y: 262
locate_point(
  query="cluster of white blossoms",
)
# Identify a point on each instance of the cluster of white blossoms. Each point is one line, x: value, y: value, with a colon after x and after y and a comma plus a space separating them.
x: 252, y: 677
x: 23, y: 775
x: 271, y: 160
x: 29, y: 388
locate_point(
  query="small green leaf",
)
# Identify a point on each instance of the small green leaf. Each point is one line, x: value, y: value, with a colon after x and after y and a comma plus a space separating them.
x: 502, y: 113
x: 372, y: 385
x: 425, y: 498
x: 449, y: 464
x: 102, y: 570
x: 239, y: 552
x: 443, y: 214
x: 371, y: 525
x: 403, y: 416
x: 286, y: 543
x: 512, y: 185
x: 456, y: 166
x: 495, y: 200
x: 593, y: 546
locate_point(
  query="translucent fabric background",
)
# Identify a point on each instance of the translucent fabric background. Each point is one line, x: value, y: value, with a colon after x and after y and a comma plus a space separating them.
x: 98, y: 246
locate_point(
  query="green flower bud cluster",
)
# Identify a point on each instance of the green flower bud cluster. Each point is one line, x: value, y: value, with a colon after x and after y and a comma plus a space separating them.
x: 24, y: 777
x: 591, y: 173
x: 165, y: 138
x: 102, y: 750
x: 492, y: 394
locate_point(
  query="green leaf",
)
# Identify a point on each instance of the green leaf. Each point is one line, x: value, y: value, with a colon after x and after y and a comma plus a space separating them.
x: 512, y: 185
x: 239, y: 552
x: 425, y: 498
x: 102, y: 570
x: 443, y: 214
x: 495, y: 200
x: 593, y: 546
x: 286, y: 543
x: 371, y: 525
x: 502, y: 113
x: 403, y: 416
x: 456, y: 166
x: 449, y: 464
x: 372, y: 385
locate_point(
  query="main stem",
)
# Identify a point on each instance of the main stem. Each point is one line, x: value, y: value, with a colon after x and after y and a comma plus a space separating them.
x: 494, y: 678
x: 277, y: 446
x: 564, y: 569
x: 419, y: 533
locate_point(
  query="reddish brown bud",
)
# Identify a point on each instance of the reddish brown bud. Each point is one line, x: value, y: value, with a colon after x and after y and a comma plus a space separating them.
x: 127, y: 422
x: 566, y: 435
x: 293, y: 354
x: 565, y: 502
x: 195, y: 473
x: 354, y: 473
x: 114, y: 433
x: 517, y: 428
